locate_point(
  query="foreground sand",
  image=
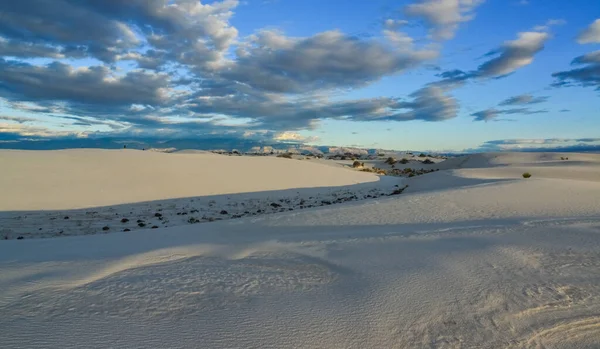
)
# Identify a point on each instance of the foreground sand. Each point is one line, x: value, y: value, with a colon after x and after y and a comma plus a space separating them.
x: 471, y: 257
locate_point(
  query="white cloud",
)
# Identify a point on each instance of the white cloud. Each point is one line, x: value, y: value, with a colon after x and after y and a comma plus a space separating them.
x: 325, y: 60
x: 549, y: 23
x: 289, y: 136
x: 492, y: 114
x: 444, y: 16
x: 514, y: 54
x: 35, y: 131
x: 591, y: 35
x: 393, y: 24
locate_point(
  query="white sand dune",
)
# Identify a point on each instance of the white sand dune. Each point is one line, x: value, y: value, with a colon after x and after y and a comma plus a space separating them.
x: 472, y: 257
x: 83, y: 192
x: 81, y: 178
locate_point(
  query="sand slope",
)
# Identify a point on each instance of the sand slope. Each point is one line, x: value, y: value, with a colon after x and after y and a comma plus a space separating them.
x: 84, y: 192
x: 467, y: 258
x: 80, y: 178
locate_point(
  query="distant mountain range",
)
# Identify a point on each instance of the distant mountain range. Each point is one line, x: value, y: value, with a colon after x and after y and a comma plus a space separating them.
x: 212, y: 144
x: 226, y: 144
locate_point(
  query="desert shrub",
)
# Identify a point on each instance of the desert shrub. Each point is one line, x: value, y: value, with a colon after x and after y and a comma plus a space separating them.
x: 404, y: 161
x: 193, y: 220
x: 411, y: 174
x: 105, y: 228
x: 398, y: 191
x: 381, y: 154
x: 390, y: 161
x: 286, y: 155
x: 124, y: 220
x: 356, y: 164
x: 428, y: 162
x: 526, y: 175
x: 422, y: 155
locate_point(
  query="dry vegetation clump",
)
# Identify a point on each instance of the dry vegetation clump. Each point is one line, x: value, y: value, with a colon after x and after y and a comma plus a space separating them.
x: 193, y: 220
x: 526, y: 175
x: 398, y: 191
x: 375, y: 170
x: 285, y: 155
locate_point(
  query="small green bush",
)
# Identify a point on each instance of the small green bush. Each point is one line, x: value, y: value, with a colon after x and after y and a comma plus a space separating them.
x: 526, y: 175
x: 356, y: 164
x: 422, y: 155
x: 404, y: 161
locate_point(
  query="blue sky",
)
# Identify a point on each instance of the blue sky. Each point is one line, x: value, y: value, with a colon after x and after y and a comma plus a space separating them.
x: 443, y: 75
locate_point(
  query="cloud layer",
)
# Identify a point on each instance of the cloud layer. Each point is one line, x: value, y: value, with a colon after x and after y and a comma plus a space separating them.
x: 179, y: 68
